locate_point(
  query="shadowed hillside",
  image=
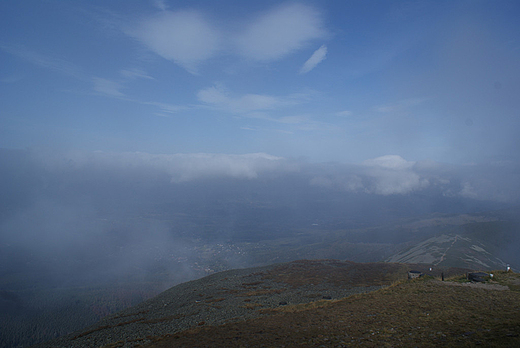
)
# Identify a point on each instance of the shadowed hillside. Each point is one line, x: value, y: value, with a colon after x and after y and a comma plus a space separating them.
x: 238, y: 302
x: 424, y: 312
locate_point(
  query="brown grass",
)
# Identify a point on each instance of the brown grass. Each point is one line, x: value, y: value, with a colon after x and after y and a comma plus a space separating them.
x: 213, y: 300
x: 261, y: 292
x: 252, y: 283
x: 410, y: 313
x: 306, y: 272
x: 251, y: 305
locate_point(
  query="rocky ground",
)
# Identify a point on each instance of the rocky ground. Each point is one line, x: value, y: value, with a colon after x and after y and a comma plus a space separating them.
x: 425, y: 312
x: 196, y: 312
x: 232, y: 296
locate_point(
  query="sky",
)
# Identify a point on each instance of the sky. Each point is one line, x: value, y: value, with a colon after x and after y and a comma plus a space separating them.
x: 341, y: 81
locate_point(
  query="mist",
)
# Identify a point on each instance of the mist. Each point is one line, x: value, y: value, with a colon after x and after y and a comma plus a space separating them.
x: 129, y: 225
x: 98, y: 217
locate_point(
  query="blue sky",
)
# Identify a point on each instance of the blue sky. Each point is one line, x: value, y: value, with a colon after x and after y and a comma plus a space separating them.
x: 344, y: 81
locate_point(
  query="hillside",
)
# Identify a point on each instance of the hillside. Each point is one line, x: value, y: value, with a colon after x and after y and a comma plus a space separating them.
x: 424, y: 312
x: 316, y: 296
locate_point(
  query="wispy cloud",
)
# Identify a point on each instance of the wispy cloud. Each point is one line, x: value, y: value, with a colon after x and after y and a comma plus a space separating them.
x: 219, y: 97
x: 44, y: 61
x: 100, y: 85
x: 135, y: 74
x: 269, y: 108
x: 400, y: 105
x: 345, y: 113
x: 107, y: 87
x: 317, y: 57
x: 280, y: 32
x: 293, y: 119
x: 11, y: 79
x: 166, y: 108
x: 160, y: 4
x: 184, y: 37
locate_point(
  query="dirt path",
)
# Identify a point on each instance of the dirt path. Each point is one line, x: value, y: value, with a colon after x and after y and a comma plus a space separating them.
x: 445, y: 251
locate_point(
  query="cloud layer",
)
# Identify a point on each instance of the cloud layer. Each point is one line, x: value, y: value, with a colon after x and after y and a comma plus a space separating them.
x: 178, y: 167
x: 386, y: 175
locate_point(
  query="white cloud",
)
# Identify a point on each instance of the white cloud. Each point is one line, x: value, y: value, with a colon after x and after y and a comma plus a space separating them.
x: 218, y: 96
x: 263, y: 107
x: 317, y: 57
x: 107, y: 87
x: 135, y: 74
x: 392, y: 175
x: 184, y: 37
x: 280, y: 32
x: 386, y: 175
x: 188, y: 38
x: 160, y: 4
x: 387, y: 182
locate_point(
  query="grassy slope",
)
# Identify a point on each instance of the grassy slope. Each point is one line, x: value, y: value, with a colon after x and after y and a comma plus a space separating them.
x: 423, y: 312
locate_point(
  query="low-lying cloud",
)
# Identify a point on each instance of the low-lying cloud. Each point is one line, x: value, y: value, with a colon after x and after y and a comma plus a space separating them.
x: 118, y: 213
x: 392, y: 174
x: 385, y: 175
x: 179, y: 167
